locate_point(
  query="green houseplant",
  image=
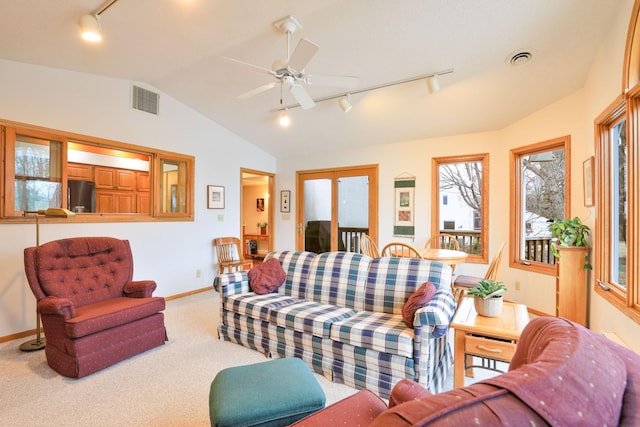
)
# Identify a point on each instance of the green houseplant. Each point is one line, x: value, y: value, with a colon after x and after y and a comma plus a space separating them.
x: 487, y: 297
x: 262, y: 226
x: 569, y: 232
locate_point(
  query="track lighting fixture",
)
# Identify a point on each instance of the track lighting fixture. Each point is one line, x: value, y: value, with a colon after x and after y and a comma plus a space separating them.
x: 284, y: 120
x: 345, y: 104
x: 433, y: 85
x: 90, y: 23
x: 343, y: 99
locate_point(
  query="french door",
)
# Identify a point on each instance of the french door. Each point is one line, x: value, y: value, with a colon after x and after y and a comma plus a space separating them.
x: 336, y: 206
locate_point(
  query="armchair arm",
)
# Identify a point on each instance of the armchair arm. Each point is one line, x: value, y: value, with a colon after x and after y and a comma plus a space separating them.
x: 233, y: 283
x: 57, y: 307
x: 437, y: 314
x: 139, y: 288
x: 406, y: 390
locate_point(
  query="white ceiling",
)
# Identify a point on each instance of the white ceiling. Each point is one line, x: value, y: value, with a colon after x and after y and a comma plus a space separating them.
x: 174, y: 46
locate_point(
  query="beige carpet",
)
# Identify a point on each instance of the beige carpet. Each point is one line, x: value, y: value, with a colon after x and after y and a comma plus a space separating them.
x: 166, y: 386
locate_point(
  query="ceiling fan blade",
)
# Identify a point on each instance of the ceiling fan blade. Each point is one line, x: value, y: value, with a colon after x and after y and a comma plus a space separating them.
x: 301, y: 95
x: 257, y: 90
x: 302, y: 54
x: 334, y: 81
x: 255, y: 67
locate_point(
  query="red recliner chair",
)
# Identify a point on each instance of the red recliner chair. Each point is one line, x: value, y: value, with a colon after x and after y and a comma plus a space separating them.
x: 93, y: 314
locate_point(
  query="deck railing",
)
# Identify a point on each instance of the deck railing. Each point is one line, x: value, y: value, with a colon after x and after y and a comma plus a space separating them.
x: 350, y: 237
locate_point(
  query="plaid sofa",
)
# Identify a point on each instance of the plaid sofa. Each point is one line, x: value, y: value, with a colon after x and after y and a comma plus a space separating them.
x: 341, y: 313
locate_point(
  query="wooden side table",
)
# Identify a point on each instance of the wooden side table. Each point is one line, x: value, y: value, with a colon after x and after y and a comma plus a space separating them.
x: 491, y: 338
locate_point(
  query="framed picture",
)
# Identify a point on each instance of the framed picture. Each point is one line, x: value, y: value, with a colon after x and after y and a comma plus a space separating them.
x: 587, y: 181
x: 285, y: 195
x: 260, y: 205
x: 403, y: 218
x: 215, y: 197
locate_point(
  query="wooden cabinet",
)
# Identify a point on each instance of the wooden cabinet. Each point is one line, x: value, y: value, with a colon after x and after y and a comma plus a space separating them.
x: 115, y: 202
x: 79, y: 171
x: 571, y: 284
x: 261, y: 249
x: 143, y: 181
x: 114, y: 179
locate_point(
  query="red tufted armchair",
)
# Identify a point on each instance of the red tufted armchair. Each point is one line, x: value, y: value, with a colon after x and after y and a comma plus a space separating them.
x: 92, y: 313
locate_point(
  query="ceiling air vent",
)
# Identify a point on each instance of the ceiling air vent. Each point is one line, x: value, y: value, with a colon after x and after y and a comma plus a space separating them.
x: 145, y: 100
x: 520, y: 57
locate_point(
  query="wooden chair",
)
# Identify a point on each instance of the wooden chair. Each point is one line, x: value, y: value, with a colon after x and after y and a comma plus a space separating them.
x: 400, y: 250
x: 368, y: 246
x: 229, y: 254
x: 462, y: 282
x: 442, y: 241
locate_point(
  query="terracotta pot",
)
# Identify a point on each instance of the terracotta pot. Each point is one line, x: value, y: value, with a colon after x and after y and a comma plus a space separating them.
x: 263, y: 230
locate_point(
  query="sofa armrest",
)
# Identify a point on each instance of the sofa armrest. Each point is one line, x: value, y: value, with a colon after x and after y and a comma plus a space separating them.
x: 437, y: 314
x: 139, y: 288
x: 233, y: 283
x: 406, y: 390
x: 57, y: 307
x: 359, y: 409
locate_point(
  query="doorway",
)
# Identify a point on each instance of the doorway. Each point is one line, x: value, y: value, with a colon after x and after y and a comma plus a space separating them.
x: 335, y: 207
x: 256, y: 213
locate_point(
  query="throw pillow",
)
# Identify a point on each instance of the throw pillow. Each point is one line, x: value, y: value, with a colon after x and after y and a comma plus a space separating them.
x: 418, y: 299
x: 266, y: 277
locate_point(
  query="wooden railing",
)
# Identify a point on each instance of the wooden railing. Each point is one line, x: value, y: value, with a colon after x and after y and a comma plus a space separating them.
x: 469, y: 240
x: 350, y: 237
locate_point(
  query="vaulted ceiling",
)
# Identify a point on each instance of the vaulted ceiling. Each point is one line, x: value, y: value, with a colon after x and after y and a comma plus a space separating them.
x: 174, y: 46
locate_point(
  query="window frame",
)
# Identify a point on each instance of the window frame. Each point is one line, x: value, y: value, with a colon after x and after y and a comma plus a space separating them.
x: 516, y: 223
x: 8, y: 214
x: 436, y: 162
x: 628, y: 107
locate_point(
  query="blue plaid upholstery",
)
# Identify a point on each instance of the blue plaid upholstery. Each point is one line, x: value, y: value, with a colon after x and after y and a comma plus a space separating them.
x: 338, y: 278
x: 341, y: 313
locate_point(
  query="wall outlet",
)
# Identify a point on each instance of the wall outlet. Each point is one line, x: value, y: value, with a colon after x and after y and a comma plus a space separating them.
x: 517, y: 285
x: 220, y: 217
x: 198, y: 273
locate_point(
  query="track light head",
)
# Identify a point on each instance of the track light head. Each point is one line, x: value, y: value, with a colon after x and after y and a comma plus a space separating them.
x: 90, y: 28
x: 433, y: 85
x: 345, y: 104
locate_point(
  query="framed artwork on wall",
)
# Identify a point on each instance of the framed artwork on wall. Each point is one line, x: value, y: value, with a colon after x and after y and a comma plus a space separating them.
x: 403, y: 218
x: 587, y: 181
x: 215, y: 197
x: 285, y: 196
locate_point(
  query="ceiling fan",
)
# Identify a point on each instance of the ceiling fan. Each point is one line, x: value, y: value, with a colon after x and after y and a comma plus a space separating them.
x: 290, y: 72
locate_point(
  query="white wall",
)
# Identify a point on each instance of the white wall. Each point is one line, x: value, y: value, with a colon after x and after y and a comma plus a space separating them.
x: 573, y: 115
x: 168, y: 252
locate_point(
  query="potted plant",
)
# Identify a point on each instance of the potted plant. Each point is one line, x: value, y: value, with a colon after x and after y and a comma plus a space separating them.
x: 569, y: 233
x: 263, y: 227
x: 487, y: 297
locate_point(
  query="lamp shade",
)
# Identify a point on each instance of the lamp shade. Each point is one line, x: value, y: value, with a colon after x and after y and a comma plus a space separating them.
x: 284, y: 120
x: 90, y: 28
x: 345, y: 104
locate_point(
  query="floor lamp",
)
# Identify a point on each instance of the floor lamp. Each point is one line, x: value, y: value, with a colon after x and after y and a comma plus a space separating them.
x: 40, y: 341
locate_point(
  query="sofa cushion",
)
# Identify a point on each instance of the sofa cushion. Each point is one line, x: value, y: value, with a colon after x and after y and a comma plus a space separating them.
x: 418, y: 299
x: 108, y: 314
x: 382, y: 332
x: 266, y: 277
x: 296, y: 265
x: 310, y: 317
x: 391, y: 281
x: 256, y: 306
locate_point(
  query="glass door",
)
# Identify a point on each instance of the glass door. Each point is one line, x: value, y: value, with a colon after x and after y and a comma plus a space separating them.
x: 336, y: 206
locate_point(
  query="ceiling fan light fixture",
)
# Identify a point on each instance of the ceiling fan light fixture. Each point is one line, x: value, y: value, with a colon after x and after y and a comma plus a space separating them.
x: 90, y: 28
x: 345, y: 104
x: 433, y: 84
x: 284, y: 119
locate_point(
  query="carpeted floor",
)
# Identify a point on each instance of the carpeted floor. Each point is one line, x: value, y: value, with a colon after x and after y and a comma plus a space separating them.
x: 166, y: 386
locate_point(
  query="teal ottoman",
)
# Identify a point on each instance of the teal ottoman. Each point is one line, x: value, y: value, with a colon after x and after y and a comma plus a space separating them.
x: 273, y: 393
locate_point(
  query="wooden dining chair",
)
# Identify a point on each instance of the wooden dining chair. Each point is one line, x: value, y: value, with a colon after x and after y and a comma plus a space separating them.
x: 230, y: 255
x: 442, y: 241
x: 463, y: 282
x: 368, y: 246
x: 400, y: 250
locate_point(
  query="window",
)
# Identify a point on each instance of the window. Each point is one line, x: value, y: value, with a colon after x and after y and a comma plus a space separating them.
x: 91, y: 176
x: 461, y: 185
x: 540, y: 192
x: 616, y: 266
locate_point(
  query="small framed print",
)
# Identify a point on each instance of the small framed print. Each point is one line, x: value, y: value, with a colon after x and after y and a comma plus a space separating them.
x: 215, y: 197
x: 285, y: 196
x: 587, y: 181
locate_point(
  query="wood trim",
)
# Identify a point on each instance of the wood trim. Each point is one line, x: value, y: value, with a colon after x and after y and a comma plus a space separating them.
x: 631, y: 67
